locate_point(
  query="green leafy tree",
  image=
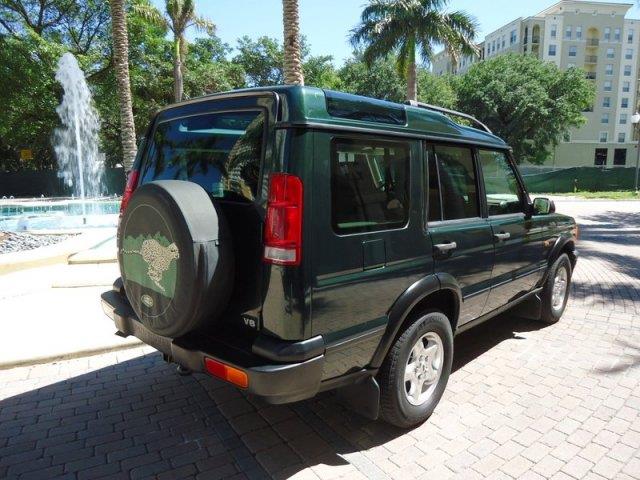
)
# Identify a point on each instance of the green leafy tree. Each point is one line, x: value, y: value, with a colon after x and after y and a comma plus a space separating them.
x: 320, y: 72
x: 437, y: 90
x: 527, y: 102
x: 262, y: 61
x: 378, y: 80
x: 407, y: 28
x: 179, y: 16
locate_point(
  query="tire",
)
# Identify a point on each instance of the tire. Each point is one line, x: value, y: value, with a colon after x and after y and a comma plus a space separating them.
x: 176, y: 257
x: 553, y: 306
x: 396, y: 408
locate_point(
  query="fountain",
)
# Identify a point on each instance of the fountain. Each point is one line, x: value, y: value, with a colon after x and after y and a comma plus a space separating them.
x: 80, y: 163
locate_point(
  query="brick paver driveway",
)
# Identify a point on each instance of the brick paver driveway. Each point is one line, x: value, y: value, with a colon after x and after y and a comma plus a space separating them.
x: 525, y: 401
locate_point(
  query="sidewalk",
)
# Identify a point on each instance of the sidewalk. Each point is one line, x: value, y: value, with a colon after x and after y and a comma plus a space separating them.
x: 53, y: 312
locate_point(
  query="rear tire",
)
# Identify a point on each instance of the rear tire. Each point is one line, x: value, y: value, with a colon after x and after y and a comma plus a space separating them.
x: 556, y: 290
x: 415, y: 372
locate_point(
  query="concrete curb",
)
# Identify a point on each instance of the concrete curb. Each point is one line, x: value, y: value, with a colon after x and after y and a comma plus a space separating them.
x: 68, y: 356
x: 52, y: 254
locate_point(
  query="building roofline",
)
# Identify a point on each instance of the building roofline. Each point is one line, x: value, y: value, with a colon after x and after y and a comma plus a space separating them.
x: 554, y: 7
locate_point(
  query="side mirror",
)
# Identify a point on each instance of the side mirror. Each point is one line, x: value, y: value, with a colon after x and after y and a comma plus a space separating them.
x: 543, y: 206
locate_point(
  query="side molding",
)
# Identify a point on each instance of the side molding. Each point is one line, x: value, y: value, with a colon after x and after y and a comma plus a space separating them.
x: 405, y: 303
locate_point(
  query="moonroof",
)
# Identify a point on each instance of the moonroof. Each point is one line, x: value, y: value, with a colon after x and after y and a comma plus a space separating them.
x: 343, y: 105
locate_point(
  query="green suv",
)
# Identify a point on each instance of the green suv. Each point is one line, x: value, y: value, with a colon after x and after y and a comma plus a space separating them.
x: 292, y: 240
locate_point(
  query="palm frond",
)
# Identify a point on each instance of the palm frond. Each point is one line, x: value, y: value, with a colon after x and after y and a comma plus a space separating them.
x: 204, y: 25
x: 150, y: 14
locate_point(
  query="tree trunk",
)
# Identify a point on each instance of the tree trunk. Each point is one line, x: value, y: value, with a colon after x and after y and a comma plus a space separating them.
x: 292, y: 56
x: 177, y: 71
x: 121, y: 60
x: 412, y: 80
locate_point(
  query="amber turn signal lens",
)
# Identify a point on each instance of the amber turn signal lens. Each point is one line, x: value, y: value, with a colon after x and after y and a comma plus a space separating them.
x: 226, y: 372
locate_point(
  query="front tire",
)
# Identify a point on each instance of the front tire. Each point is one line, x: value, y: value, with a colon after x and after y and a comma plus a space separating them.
x: 415, y: 372
x: 555, y: 293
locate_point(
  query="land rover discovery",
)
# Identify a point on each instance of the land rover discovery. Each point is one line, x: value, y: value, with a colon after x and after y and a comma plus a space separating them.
x: 291, y: 240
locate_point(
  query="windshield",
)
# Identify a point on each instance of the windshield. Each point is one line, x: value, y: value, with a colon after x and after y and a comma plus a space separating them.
x: 219, y: 151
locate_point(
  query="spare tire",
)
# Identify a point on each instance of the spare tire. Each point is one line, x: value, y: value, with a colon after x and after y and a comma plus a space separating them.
x: 176, y: 257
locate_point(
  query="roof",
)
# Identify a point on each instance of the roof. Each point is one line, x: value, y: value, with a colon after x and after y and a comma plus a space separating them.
x: 304, y: 105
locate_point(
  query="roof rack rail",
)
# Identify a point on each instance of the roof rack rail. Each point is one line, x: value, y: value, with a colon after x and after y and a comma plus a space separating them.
x: 447, y: 111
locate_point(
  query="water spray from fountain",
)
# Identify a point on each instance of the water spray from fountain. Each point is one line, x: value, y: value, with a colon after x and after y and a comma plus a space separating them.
x: 80, y: 163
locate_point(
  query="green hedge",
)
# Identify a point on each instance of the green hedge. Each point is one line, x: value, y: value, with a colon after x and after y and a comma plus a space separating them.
x: 590, y: 179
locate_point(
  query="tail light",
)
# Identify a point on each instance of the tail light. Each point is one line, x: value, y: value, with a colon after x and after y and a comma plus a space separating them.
x: 132, y: 183
x: 283, y: 223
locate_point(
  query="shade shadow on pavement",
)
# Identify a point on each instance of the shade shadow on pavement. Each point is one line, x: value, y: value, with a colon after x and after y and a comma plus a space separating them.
x: 139, y: 419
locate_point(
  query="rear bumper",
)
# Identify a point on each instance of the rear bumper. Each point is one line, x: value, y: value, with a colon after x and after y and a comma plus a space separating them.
x: 275, y: 382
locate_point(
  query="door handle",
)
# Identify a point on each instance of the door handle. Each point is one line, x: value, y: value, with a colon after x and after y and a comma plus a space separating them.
x: 445, y: 247
x: 502, y: 235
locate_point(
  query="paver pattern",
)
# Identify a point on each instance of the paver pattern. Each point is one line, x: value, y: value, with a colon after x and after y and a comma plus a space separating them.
x: 525, y: 401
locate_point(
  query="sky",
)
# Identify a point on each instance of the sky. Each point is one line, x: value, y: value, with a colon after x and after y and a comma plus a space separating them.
x: 326, y: 23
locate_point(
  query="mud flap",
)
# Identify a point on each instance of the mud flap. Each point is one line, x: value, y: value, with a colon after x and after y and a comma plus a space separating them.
x: 362, y: 397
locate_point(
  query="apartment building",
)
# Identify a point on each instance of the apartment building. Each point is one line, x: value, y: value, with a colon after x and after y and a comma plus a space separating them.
x: 596, y: 37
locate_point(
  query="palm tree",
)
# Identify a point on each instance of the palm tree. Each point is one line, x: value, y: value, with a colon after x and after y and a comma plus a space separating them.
x: 179, y: 16
x: 121, y: 60
x: 292, y: 56
x: 406, y: 27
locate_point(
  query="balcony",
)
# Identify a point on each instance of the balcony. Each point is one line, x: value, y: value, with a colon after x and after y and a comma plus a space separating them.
x: 591, y: 59
x: 593, y: 42
x: 591, y: 75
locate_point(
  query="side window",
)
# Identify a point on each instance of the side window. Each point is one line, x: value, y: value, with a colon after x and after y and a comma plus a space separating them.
x: 458, y: 184
x: 500, y: 182
x: 369, y: 185
x: 433, y: 200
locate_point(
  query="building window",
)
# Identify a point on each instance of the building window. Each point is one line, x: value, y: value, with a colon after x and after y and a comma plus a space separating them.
x: 608, y: 69
x: 630, y: 36
x: 573, y: 51
x: 493, y: 46
x: 579, y: 32
x: 624, y: 103
x: 623, y: 119
x: 616, y: 35
x: 554, y: 31
x: 567, y: 32
x: 503, y: 41
x: 604, y: 118
x: 607, y: 85
x: 552, y: 50
x: 628, y: 54
x: 607, y: 33
x: 513, y: 38
x: 622, y: 137
x: 626, y: 87
x: 620, y: 156
x: 606, y: 102
x: 601, y: 155
x: 627, y: 70
x: 611, y: 53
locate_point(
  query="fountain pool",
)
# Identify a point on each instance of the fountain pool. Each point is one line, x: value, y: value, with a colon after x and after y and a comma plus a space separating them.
x: 57, y: 214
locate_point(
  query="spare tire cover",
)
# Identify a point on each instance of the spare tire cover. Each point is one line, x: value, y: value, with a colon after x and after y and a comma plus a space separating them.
x: 175, y: 256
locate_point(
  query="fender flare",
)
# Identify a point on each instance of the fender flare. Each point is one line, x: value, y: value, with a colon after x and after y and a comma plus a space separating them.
x: 405, y: 303
x: 562, y: 241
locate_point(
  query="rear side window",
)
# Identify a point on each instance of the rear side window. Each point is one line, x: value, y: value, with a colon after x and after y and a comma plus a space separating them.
x: 369, y: 185
x: 458, y: 186
x: 219, y: 151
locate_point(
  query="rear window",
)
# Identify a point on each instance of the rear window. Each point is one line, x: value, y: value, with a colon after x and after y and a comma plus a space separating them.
x: 219, y: 151
x: 343, y: 105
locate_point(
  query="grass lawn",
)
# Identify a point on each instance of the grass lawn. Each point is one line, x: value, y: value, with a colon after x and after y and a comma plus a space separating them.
x: 623, y: 195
